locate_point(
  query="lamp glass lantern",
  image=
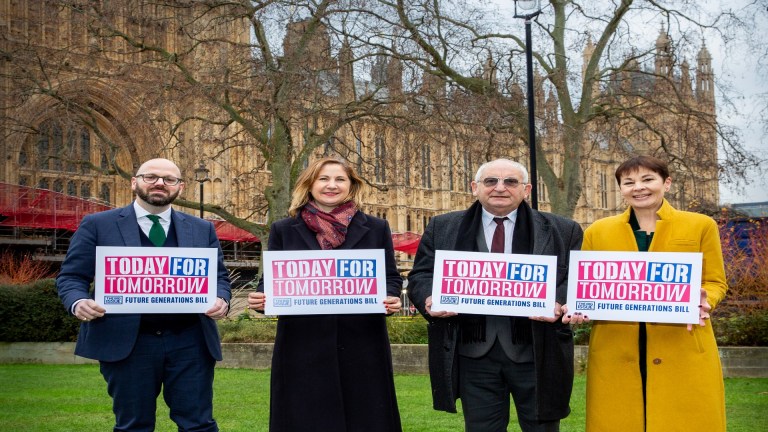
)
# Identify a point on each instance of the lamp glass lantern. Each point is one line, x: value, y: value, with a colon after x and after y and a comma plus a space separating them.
x: 201, y: 172
x: 527, y: 8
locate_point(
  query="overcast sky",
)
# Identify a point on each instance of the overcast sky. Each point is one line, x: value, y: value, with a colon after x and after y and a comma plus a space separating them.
x: 740, y: 69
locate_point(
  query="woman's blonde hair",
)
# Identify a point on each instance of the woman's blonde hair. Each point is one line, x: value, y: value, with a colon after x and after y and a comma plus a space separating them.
x: 302, y: 191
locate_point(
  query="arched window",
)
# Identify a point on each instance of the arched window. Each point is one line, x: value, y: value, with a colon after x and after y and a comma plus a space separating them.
x: 69, y: 153
x: 105, y: 194
x: 85, y: 190
x: 380, y: 164
x: 85, y: 149
x: 23, y: 156
x: 56, y: 150
x: 426, y: 167
x: 59, y: 158
x: 57, y: 154
x: 42, y: 148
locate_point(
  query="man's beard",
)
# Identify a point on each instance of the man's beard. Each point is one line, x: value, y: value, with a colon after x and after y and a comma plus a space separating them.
x: 156, y: 200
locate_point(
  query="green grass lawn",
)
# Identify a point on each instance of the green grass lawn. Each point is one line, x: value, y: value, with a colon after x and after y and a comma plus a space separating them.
x: 74, y: 398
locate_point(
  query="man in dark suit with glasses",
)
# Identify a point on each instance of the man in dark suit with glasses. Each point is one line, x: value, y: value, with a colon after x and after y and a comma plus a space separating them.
x: 140, y: 354
x: 483, y: 359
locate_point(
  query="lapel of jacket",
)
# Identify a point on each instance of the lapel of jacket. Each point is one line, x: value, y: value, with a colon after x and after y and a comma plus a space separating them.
x: 663, y: 234
x: 542, y: 233
x: 128, y: 226
x: 185, y: 235
x: 301, y: 230
x: 356, y: 230
x: 482, y: 246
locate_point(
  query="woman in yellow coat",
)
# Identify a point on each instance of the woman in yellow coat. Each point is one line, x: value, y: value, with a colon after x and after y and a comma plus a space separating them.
x: 652, y: 377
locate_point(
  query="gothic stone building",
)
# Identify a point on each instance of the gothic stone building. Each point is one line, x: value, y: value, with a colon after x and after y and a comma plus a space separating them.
x: 80, y: 103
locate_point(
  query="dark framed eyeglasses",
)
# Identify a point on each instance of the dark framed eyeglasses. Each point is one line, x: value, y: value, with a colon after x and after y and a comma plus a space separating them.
x: 152, y: 179
x: 508, y: 182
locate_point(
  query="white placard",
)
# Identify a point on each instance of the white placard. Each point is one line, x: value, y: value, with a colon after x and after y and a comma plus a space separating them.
x: 155, y: 280
x: 662, y: 287
x: 494, y: 284
x: 316, y: 282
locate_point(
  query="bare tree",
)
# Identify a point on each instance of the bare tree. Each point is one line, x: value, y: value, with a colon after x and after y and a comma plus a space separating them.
x: 254, y: 88
x: 743, y: 18
x: 616, y: 100
x: 411, y: 92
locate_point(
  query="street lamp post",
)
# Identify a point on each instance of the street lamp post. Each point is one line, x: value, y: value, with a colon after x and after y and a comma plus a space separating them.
x: 201, y: 175
x: 528, y: 10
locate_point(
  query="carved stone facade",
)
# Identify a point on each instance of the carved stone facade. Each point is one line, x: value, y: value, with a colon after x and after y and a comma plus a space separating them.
x: 99, y: 99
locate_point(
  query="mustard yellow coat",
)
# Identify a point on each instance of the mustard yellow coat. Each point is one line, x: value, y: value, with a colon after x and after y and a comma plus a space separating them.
x: 685, y: 381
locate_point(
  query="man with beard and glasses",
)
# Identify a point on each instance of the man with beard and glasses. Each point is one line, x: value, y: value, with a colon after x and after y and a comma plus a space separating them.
x: 141, y: 353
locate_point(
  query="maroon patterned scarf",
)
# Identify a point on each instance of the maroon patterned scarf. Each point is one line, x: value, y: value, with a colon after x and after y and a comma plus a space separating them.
x: 330, y: 228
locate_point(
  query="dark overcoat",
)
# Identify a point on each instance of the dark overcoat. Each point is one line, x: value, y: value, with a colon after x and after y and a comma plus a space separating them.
x: 334, y: 372
x: 552, y: 342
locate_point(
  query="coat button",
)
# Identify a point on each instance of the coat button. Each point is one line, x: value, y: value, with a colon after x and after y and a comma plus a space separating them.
x: 657, y: 361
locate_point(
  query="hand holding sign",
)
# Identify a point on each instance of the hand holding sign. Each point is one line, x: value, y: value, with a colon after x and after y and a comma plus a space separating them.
x: 704, y: 309
x: 256, y: 301
x: 575, y: 318
x: 392, y: 304
x: 437, y: 314
x: 558, y: 314
x: 88, y: 309
x: 219, y: 309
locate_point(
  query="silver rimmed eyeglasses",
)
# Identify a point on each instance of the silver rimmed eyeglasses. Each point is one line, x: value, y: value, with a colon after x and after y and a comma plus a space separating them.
x: 508, y: 182
x: 152, y: 179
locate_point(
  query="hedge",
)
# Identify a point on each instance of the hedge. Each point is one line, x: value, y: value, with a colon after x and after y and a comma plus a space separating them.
x: 34, y: 313
x: 251, y: 328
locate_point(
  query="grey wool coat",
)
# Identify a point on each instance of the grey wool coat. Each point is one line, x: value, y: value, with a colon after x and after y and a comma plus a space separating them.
x: 552, y: 342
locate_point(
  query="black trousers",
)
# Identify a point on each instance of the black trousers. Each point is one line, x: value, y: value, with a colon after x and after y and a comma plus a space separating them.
x: 485, y: 385
x: 176, y: 362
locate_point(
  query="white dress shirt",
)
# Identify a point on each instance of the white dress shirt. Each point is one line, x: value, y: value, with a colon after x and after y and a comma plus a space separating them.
x: 145, y: 223
x: 489, y: 227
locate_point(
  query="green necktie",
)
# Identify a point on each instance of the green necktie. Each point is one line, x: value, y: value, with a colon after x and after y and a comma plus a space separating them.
x: 156, y: 233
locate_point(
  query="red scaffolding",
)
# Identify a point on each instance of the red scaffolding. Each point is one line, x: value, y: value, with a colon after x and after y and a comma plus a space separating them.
x: 32, y: 208
x: 406, y: 242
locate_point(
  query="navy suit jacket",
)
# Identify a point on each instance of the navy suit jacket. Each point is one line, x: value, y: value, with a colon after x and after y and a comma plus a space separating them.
x: 112, y: 337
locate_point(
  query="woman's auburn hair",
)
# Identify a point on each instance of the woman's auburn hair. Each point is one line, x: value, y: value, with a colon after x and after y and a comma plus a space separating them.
x: 302, y: 192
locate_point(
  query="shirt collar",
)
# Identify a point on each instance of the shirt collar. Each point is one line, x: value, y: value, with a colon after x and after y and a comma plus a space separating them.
x: 140, y: 212
x: 488, y: 217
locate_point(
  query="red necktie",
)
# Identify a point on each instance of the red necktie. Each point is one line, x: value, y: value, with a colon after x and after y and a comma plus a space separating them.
x: 497, y: 243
